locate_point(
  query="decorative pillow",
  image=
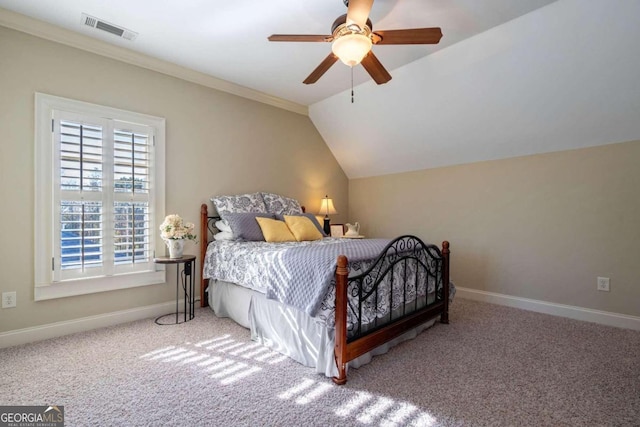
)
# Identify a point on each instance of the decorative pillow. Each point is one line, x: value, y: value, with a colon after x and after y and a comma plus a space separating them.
x: 241, y: 203
x: 302, y: 228
x: 275, y: 231
x: 313, y: 219
x: 223, y: 225
x: 223, y: 235
x: 244, y: 225
x: 281, y: 205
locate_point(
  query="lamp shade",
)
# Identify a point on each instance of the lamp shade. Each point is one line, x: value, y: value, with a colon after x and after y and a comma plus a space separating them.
x: 326, y: 207
x: 351, y: 48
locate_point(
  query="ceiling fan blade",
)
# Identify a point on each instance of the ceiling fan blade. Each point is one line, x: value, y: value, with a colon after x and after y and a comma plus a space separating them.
x: 321, y: 69
x: 375, y: 69
x: 358, y: 12
x: 299, y: 38
x: 410, y: 36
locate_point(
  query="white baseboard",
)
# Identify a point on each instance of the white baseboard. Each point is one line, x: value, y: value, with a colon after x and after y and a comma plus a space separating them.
x: 572, y: 312
x: 58, y: 329
x: 53, y: 330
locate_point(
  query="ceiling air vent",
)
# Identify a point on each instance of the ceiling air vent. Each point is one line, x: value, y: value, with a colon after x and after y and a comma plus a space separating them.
x: 99, y: 24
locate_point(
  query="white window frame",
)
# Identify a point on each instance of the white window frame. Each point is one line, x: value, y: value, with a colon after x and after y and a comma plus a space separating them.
x: 46, y: 107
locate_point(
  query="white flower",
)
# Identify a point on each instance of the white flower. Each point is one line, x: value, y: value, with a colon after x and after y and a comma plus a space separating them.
x: 173, y: 227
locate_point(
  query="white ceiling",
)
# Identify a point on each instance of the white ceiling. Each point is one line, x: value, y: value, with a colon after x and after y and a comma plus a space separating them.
x: 228, y: 39
x: 508, y: 78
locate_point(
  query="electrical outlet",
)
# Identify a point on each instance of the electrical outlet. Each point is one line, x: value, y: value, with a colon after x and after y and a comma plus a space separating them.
x: 603, y: 284
x: 8, y: 299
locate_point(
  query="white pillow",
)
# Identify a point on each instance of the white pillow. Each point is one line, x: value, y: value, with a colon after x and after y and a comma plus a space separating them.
x: 223, y: 225
x: 223, y: 235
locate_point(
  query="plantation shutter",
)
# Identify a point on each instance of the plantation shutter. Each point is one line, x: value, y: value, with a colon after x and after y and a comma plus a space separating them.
x: 102, y: 197
x: 132, y: 195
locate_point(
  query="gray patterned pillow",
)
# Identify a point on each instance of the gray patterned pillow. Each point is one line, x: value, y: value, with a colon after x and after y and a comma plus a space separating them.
x: 281, y: 205
x: 311, y: 216
x: 241, y: 203
x: 244, y: 225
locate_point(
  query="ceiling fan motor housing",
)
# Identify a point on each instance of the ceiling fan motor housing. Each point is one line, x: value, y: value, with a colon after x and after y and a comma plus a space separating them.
x: 342, y: 20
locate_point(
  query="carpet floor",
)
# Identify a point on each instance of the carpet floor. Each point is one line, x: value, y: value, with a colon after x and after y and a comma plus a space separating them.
x: 492, y: 366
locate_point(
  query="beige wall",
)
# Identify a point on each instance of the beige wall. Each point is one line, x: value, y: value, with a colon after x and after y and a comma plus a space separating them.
x: 216, y: 143
x: 541, y: 227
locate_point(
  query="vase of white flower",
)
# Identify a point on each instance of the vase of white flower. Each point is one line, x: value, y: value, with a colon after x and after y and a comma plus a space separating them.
x: 176, y: 247
x: 174, y: 231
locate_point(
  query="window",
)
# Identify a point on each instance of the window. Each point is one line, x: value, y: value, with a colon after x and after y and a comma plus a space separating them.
x: 99, y: 192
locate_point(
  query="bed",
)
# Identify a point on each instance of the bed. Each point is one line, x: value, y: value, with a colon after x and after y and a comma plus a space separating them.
x: 362, y: 297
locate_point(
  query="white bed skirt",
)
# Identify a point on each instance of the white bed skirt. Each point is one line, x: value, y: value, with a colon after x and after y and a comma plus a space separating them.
x: 288, y: 330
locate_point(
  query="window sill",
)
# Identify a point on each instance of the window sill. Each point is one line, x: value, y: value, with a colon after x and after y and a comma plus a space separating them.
x: 100, y: 284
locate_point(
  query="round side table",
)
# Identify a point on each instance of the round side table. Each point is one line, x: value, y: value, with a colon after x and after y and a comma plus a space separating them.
x: 187, y: 282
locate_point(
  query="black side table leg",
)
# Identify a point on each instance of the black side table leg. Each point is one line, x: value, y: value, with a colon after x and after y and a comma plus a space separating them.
x: 177, y: 289
x: 188, y: 286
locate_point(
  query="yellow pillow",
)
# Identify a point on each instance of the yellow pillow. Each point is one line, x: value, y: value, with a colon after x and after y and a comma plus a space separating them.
x: 274, y: 230
x: 302, y: 228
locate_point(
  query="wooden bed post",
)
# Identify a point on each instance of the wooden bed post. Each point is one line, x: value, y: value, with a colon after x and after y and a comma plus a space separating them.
x: 341, y: 320
x: 444, y: 317
x: 204, y: 239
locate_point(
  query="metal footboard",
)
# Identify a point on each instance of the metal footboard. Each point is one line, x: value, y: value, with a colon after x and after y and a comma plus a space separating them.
x: 407, y: 285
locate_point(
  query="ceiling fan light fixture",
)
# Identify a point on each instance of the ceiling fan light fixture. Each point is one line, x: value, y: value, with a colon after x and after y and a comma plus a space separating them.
x: 351, y: 48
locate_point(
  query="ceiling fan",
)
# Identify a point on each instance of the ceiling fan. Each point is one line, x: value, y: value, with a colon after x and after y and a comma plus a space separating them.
x: 352, y: 37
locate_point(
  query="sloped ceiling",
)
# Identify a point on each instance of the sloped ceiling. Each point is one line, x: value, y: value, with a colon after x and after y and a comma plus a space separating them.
x: 561, y: 77
x: 509, y: 78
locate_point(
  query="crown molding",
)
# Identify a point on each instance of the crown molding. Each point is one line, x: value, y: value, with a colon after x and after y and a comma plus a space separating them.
x: 51, y: 32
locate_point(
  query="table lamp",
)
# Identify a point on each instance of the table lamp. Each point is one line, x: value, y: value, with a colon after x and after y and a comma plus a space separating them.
x: 326, y: 209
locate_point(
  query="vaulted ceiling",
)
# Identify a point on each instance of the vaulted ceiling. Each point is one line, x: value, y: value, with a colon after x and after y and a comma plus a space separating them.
x: 508, y: 78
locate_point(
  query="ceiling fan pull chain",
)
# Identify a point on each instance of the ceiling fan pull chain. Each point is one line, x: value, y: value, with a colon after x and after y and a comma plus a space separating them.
x: 352, y: 85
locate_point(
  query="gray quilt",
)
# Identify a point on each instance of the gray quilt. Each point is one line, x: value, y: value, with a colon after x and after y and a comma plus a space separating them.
x: 297, y: 274
x: 315, y: 265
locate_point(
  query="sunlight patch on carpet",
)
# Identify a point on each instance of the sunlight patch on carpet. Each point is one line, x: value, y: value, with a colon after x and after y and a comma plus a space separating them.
x: 240, y: 375
x: 363, y: 407
x: 314, y: 394
x: 232, y: 368
x: 402, y: 414
x: 358, y: 400
x: 229, y: 361
x: 305, y: 384
x: 221, y: 358
x: 194, y: 359
x: 210, y: 341
x: 376, y: 410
